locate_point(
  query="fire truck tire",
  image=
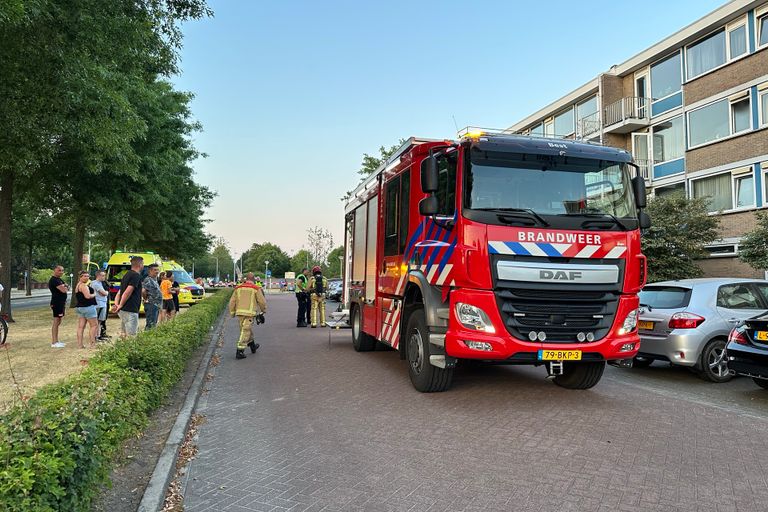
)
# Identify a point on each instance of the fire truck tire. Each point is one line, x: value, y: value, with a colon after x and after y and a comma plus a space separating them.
x: 424, y: 376
x: 580, y: 375
x: 360, y: 340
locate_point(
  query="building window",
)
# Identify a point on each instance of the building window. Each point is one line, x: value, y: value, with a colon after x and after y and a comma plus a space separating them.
x: 717, y: 189
x: 537, y: 130
x: 724, y: 250
x: 762, y: 25
x: 677, y: 188
x: 764, y: 107
x: 665, y: 77
x: 564, y: 123
x: 668, y: 140
x: 719, y: 119
x: 737, y: 41
x: 705, y: 55
x: 735, y: 189
x: 587, y: 119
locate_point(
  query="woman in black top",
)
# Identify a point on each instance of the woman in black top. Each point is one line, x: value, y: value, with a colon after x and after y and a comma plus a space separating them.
x: 86, y: 310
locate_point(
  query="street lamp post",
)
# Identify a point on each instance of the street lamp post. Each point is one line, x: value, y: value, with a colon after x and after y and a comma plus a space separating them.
x: 217, y: 268
x: 266, y: 271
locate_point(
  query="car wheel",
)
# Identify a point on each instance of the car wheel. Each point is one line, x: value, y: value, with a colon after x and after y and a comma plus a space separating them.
x: 763, y: 383
x: 642, y: 362
x: 713, y: 364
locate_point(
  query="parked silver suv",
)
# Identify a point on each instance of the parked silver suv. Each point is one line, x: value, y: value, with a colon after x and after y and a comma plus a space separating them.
x: 687, y: 322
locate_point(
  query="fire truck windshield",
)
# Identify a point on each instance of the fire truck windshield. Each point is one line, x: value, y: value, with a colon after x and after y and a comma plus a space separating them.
x: 550, y: 187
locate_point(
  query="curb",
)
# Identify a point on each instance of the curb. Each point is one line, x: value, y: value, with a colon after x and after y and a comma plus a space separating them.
x: 154, y: 494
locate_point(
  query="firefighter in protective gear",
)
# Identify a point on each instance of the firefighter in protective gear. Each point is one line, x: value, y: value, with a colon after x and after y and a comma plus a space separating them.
x: 317, y: 288
x: 302, y: 298
x: 247, y: 303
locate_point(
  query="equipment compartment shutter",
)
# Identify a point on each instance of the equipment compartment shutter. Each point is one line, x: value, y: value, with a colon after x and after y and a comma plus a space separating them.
x: 370, y: 264
x: 358, y: 243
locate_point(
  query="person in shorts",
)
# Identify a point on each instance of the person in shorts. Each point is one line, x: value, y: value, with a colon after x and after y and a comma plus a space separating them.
x: 128, y: 299
x: 59, y: 290
x: 166, y: 287
x: 86, y: 311
x: 101, y: 289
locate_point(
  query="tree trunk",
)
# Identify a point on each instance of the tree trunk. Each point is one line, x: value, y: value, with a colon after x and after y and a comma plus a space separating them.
x: 6, y: 206
x: 29, y: 270
x: 78, y: 245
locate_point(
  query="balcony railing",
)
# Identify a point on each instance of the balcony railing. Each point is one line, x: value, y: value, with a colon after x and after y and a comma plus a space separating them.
x: 588, y: 125
x: 645, y: 167
x: 627, y: 114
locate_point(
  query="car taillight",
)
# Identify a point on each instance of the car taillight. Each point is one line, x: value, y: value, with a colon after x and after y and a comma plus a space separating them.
x: 738, y: 335
x: 685, y: 321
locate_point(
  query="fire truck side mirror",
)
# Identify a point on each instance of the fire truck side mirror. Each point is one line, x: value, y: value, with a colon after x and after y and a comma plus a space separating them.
x: 638, y: 186
x: 429, y: 175
x: 428, y: 206
x: 645, y: 220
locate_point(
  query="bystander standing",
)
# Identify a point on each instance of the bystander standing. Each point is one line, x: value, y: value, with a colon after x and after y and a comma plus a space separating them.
x: 128, y: 299
x: 153, y: 296
x: 86, y: 310
x: 59, y: 290
x: 169, y: 309
x: 101, y: 289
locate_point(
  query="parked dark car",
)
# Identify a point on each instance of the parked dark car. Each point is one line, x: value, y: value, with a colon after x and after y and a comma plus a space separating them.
x: 334, y: 290
x: 747, y: 350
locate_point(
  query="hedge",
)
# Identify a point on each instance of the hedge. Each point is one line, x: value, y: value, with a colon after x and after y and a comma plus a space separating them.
x: 57, y: 448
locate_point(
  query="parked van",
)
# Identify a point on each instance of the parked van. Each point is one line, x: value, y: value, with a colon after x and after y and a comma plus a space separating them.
x: 120, y: 263
x: 189, y: 291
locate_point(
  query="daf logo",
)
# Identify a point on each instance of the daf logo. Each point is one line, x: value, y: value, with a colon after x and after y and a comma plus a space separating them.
x: 559, y: 275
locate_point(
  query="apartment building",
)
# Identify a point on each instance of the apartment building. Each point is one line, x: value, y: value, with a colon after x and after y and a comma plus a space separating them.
x: 693, y: 110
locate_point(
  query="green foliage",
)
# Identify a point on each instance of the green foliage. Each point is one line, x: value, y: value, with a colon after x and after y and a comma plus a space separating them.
x: 300, y: 260
x: 371, y: 163
x: 333, y: 267
x: 753, y: 248
x: 680, y: 230
x: 58, y: 447
x: 254, y: 258
x: 42, y: 275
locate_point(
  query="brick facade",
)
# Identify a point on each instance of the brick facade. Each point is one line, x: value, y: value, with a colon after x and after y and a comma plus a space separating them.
x: 731, y: 75
x: 750, y: 145
x: 737, y: 224
x: 728, y: 267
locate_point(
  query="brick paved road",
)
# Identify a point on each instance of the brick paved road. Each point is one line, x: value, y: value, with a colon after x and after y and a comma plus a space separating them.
x: 302, y: 425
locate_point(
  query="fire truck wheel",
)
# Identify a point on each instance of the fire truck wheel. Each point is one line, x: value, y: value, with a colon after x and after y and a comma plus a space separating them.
x: 580, y: 375
x: 424, y: 376
x: 360, y: 340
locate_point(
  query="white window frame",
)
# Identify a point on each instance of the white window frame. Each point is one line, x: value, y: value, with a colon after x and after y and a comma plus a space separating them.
x: 763, y: 188
x: 572, y: 108
x: 650, y: 78
x: 736, y: 174
x: 549, y: 127
x: 722, y: 254
x: 762, y: 117
x: 760, y: 12
x: 734, y: 98
x: 728, y: 59
x: 651, y: 133
x: 730, y: 28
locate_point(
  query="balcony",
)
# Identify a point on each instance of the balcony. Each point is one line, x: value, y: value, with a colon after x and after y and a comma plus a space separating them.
x: 646, y: 166
x: 627, y: 115
x: 588, y: 126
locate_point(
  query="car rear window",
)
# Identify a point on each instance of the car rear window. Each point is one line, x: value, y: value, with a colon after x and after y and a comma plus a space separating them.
x: 665, y: 297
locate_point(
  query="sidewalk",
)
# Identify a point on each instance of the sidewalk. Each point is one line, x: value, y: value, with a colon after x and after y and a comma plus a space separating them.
x: 22, y: 294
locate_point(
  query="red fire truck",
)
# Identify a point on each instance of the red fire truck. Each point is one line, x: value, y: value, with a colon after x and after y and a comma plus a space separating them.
x: 501, y: 248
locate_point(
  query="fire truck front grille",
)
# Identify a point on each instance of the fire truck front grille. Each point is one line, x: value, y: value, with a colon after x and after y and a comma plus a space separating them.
x: 562, y: 315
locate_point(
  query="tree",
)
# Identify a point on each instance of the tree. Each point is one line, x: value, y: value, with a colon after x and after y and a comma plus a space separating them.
x: 320, y: 242
x: 371, y: 163
x: 334, y: 265
x: 680, y: 231
x: 258, y: 254
x: 300, y: 260
x: 753, y: 248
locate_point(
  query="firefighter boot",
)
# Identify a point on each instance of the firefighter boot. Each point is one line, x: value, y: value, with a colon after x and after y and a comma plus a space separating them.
x: 253, y: 346
x: 240, y: 354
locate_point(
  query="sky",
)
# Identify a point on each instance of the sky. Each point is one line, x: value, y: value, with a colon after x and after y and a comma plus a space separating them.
x: 291, y: 94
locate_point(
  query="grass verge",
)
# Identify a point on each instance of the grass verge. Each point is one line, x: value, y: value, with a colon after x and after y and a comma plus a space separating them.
x: 57, y: 447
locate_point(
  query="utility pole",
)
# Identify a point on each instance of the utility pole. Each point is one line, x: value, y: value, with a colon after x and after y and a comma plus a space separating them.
x: 217, y: 268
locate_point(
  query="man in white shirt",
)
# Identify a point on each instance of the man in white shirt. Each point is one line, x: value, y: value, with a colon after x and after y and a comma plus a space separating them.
x: 101, y: 290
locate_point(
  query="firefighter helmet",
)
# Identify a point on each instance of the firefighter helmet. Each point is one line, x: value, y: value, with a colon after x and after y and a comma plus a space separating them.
x: 316, y: 269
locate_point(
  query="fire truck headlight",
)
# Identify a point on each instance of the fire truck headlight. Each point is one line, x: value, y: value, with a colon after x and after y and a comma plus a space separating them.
x: 474, y: 318
x: 630, y: 322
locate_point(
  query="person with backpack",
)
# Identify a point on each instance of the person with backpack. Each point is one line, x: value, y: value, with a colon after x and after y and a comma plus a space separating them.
x: 318, y: 285
x: 248, y: 305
